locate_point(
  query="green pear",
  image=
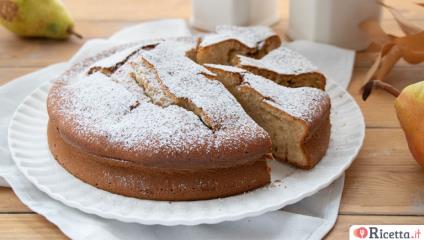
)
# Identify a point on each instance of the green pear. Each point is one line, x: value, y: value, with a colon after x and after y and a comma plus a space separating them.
x: 37, y: 18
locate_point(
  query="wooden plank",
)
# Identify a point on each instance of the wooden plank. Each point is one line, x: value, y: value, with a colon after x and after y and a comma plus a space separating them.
x: 341, y: 229
x: 9, y: 203
x: 88, y: 28
x: 386, y: 150
x: 384, y: 178
x: 381, y: 192
x: 8, y: 74
x: 135, y: 10
x: 20, y: 52
x: 27, y: 226
x: 379, y: 109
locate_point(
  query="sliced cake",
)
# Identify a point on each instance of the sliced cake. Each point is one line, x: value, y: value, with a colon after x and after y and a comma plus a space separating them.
x: 285, y: 67
x: 229, y: 41
x: 297, y: 119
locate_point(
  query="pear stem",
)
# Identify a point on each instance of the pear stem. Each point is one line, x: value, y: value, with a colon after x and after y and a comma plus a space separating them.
x: 72, y: 32
x: 379, y: 84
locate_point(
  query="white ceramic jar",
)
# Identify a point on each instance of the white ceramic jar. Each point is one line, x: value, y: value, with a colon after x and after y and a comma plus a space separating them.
x: 207, y: 14
x: 333, y: 22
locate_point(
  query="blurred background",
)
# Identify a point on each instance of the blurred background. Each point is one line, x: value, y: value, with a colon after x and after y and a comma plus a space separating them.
x: 99, y: 18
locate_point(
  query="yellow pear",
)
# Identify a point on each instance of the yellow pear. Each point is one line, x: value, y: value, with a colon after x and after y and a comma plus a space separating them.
x: 409, y: 105
x: 410, y: 111
x: 37, y: 18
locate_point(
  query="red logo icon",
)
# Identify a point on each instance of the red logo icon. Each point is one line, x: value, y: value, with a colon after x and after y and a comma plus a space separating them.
x: 360, y: 232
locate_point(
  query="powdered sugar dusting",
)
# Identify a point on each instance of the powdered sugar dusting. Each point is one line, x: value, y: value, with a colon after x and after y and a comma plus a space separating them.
x: 282, y: 61
x: 95, y: 100
x: 185, y: 79
x: 226, y: 68
x: 252, y: 37
x: 152, y: 128
x: 119, y: 57
x: 101, y: 107
x: 181, y: 45
x: 123, y: 77
x: 112, y: 114
x: 148, y: 80
x: 303, y: 103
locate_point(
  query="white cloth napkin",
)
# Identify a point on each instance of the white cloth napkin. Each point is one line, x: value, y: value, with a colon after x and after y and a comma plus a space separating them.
x: 310, y: 218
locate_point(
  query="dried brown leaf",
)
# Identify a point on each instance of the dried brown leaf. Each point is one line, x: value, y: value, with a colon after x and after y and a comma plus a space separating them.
x: 412, y: 47
x: 392, y: 48
x: 386, y: 48
x: 371, y: 72
x: 375, y: 32
x: 372, y: 48
x: 420, y: 4
x: 387, y: 63
x: 375, y: 68
x: 407, y: 27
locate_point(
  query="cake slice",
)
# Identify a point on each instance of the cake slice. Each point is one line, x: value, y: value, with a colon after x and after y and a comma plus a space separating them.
x: 285, y: 67
x: 229, y: 41
x: 297, y: 119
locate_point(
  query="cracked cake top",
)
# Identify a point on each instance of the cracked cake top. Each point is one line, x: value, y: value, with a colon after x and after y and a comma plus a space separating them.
x: 105, y: 106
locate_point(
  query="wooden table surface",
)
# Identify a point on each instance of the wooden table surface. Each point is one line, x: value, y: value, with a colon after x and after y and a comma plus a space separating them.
x: 384, y: 184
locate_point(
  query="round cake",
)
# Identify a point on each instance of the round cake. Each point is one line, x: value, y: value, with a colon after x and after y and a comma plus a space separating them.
x: 147, y: 120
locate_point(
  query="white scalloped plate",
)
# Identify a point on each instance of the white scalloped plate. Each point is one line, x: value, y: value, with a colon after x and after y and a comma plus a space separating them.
x: 29, y: 149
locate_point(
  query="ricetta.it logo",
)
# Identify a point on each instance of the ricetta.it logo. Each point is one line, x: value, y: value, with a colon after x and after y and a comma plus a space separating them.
x: 360, y: 232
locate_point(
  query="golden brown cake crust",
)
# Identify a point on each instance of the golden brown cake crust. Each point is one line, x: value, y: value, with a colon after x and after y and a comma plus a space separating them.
x: 316, y: 143
x: 307, y: 107
x: 239, y: 143
x: 156, y: 184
